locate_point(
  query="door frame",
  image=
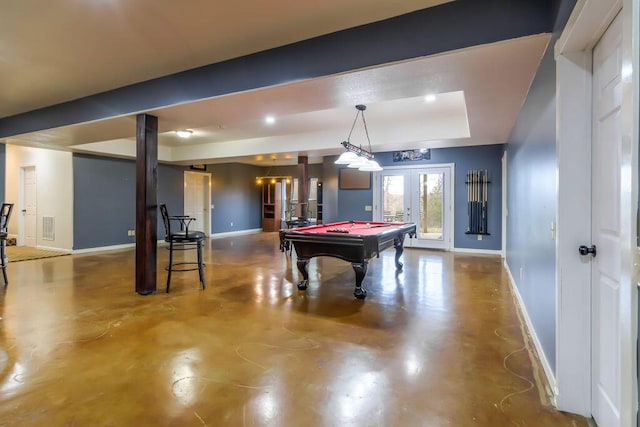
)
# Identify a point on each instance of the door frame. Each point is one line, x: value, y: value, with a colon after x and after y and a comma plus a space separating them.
x: 207, y: 201
x: 573, y: 51
x: 377, y: 189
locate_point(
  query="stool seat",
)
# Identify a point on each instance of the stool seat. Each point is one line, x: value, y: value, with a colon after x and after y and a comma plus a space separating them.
x: 180, y: 236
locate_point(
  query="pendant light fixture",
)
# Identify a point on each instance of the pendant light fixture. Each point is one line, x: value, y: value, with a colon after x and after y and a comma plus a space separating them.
x: 356, y: 157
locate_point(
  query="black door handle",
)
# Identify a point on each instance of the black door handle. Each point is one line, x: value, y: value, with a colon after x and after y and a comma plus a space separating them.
x: 586, y: 250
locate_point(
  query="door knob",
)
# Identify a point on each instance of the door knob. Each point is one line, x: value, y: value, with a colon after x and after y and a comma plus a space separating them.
x: 586, y: 250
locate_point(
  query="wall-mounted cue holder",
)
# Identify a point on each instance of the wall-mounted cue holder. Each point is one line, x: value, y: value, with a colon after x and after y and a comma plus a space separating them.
x: 477, y: 195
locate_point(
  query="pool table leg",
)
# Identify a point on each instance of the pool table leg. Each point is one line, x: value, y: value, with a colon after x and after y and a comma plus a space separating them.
x: 360, y: 270
x: 398, y: 243
x: 302, y: 268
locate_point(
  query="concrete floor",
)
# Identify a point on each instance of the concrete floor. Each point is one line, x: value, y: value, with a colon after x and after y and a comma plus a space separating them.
x: 439, y: 344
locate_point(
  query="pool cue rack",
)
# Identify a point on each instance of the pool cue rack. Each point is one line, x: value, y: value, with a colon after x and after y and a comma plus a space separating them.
x: 477, y: 196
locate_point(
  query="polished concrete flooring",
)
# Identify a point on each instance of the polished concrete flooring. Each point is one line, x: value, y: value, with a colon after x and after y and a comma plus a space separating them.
x: 439, y: 344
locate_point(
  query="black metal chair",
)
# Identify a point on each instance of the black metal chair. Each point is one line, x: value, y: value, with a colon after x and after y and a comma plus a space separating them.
x: 183, y: 239
x: 5, y: 214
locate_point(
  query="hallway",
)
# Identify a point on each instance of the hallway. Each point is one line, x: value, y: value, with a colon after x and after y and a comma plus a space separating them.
x: 439, y: 344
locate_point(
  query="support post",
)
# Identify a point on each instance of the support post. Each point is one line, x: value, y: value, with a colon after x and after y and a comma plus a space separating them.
x: 146, y: 203
x: 303, y: 186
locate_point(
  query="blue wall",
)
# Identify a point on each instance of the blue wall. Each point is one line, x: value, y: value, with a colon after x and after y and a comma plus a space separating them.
x: 236, y: 197
x: 531, y: 201
x: 532, y: 193
x: 351, y: 202
x: 104, y: 196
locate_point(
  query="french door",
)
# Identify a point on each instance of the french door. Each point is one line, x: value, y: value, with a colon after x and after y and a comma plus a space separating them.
x: 419, y: 195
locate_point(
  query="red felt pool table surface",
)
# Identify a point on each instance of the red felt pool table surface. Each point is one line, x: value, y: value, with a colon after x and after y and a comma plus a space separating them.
x: 349, y: 227
x: 353, y: 241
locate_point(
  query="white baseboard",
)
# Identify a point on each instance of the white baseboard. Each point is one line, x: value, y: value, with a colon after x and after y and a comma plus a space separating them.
x: 478, y: 251
x: 104, y: 248
x: 161, y: 242
x: 235, y: 233
x: 49, y: 248
x: 548, y: 372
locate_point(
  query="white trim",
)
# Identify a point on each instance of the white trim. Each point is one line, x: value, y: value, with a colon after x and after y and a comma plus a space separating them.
x: 588, y: 21
x: 49, y: 248
x: 104, y: 248
x: 420, y: 166
x: 496, y: 252
x: 235, y: 233
x: 630, y: 112
x: 505, y: 210
x: 522, y: 308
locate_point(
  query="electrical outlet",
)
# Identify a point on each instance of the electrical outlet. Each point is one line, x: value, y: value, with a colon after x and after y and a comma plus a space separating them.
x: 231, y: 224
x: 521, y: 273
x: 479, y: 236
x: 368, y: 208
x: 131, y: 232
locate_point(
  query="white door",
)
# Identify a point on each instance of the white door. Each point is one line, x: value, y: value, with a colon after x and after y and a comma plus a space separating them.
x: 422, y: 196
x: 605, y: 267
x: 197, y: 200
x: 29, y: 209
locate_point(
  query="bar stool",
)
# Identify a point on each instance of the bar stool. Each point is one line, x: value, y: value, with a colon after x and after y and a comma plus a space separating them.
x: 183, y: 239
x: 5, y: 214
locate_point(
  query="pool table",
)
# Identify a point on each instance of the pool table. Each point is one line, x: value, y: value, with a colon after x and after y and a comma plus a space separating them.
x: 353, y: 241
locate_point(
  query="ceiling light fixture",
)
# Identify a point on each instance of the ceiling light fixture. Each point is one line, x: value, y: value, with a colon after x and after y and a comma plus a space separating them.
x: 272, y: 178
x: 357, y: 157
x: 430, y: 98
x: 184, y: 133
x: 269, y: 120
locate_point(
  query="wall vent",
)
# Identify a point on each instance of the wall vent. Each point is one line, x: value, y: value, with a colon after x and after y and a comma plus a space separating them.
x: 48, y: 228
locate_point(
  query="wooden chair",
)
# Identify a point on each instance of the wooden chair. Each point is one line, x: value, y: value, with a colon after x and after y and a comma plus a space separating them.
x: 183, y: 239
x: 5, y: 214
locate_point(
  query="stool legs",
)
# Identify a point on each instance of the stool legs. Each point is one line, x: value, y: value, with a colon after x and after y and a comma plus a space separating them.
x: 200, y: 265
x: 169, y: 268
x: 3, y: 260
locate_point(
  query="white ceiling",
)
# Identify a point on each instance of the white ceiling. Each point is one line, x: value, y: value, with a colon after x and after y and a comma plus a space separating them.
x: 51, y: 52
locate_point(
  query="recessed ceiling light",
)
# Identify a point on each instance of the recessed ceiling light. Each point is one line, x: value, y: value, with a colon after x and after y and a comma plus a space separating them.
x: 430, y: 98
x: 184, y: 133
x: 269, y: 120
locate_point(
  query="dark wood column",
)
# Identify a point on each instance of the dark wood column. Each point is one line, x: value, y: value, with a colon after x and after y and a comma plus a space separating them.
x: 303, y: 185
x: 146, y: 203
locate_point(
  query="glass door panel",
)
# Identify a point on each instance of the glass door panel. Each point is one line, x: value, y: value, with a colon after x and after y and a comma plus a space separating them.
x: 393, y: 198
x: 431, y: 224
